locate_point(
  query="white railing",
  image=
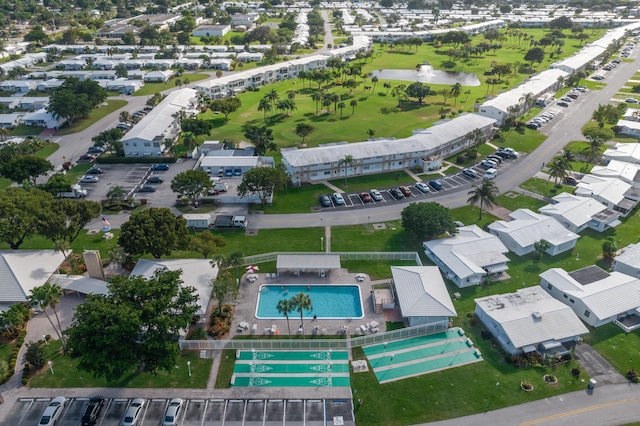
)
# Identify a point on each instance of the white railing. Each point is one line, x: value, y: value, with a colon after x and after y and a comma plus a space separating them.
x: 286, y: 344
x: 626, y: 329
x: 391, y: 255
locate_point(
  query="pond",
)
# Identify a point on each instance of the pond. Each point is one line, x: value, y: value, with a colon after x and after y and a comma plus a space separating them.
x: 427, y: 74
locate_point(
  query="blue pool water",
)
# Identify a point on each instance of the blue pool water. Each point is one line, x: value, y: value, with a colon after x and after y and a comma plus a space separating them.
x: 328, y: 301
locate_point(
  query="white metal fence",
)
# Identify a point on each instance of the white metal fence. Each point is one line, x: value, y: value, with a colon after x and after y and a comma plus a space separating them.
x: 374, y: 255
x: 315, y: 344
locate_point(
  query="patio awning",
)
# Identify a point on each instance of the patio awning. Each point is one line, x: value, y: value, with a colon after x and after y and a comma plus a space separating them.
x: 308, y: 261
x: 529, y: 348
x: 492, y: 269
x: 550, y: 344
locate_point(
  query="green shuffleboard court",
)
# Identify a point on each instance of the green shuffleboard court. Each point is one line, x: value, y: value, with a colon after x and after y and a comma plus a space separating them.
x: 291, y: 368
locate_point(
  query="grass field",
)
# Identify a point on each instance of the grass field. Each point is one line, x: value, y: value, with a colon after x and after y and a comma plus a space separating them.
x: 24, y: 130
x: 151, y: 88
x: 95, y: 115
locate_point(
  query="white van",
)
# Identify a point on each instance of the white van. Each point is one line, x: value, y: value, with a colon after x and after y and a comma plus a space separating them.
x: 491, y: 173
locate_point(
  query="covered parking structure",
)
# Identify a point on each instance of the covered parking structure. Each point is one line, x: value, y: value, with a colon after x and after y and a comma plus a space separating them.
x: 321, y: 264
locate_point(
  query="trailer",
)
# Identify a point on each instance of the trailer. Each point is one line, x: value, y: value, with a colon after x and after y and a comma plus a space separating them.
x: 198, y: 221
x: 76, y: 192
x: 228, y: 221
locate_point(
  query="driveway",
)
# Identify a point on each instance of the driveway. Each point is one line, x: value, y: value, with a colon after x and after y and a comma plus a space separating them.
x: 597, y: 367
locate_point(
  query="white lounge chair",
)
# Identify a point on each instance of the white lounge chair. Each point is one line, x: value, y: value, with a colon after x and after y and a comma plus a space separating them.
x: 364, y: 328
x: 274, y: 328
x: 254, y: 328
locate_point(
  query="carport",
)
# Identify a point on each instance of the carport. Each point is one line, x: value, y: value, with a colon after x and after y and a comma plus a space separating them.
x: 321, y: 264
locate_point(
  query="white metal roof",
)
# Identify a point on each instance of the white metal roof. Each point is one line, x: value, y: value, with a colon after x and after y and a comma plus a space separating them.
x: 531, y: 316
x: 575, y: 210
x: 630, y: 255
x: 308, y: 261
x: 425, y: 140
x: 196, y: 273
x: 615, y: 294
x: 422, y: 292
x: 23, y: 270
x: 80, y: 283
x: 628, y: 172
x: 629, y: 152
x: 609, y: 189
x: 230, y: 161
x: 469, y: 251
x: 527, y: 227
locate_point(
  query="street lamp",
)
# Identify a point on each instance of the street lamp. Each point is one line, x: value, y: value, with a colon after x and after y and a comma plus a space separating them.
x: 50, y: 367
x: 189, y: 367
x: 321, y: 243
x: 44, y: 337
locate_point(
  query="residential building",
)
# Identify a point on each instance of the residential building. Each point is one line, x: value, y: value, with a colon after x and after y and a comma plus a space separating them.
x: 579, y: 213
x: 468, y: 257
x: 227, y: 162
x: 9, y: 121
x: 596, y: 296
x: 249, y: 56
x: 422, y: 294
x: 150, y: 136
x: 626, y: 172
x: 613, y: 193
x: 627, y: 152
x: 159, y: 76
x: 424, y: 150
x: 211, y: 30
x: 43, y: 118
x: 529, y: 321
x: 243, y: 20
x: 628, y: 261
x: 525, y: 228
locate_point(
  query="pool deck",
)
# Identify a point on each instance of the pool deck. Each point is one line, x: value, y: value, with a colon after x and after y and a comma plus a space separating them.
x: 246, y: 307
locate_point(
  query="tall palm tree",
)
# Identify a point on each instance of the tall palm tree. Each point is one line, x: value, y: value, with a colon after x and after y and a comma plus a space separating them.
x: 285, y: 307
x: 387, y: 86
x: 568, y: 156
x: 301, y: 303
x: 456, y: 89
x: 234, y: 260
x: 347, y: 162
x: 353, y: 105
x: 115, y: 194
x: 125, y: 117
x: 48, y: 296
x: 265, y: 106
x: 273, y: 96
x: 317, y: 97
x: 341, y: 105
x: 486, y: 194
x: 374, y: 80
x: 557, y: 169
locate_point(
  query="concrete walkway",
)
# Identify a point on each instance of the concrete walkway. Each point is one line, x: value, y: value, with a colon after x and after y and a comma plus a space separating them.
x: 332, y: 187
x: 327, y: 239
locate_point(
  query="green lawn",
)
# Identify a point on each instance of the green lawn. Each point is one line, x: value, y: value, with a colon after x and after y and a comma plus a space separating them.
x: 545, y: 187
x: 516, y: 200
x: 151, y: 88
x: 296, y: 199
x: 368, y: 182
x: 67, y: 375
x: 82, y: 242
x: 523, y: 140
x: 95, y: 115
x: 616, y: 346
x: 48, y: 149
x: 24, y: 130
x: 393, y: 238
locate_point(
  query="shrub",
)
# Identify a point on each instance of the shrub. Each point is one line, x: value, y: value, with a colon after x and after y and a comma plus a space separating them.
x: 632, y: 375
x: 576, y: 371
x: 485, y: 334
x: 460, y: 159
x: 473, y: 321
x: 35, y: 354
x: 636, y: 88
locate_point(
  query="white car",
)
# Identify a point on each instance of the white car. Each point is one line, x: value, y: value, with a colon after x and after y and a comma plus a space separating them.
x: 338, y: 199
x: 376, y: 195
x: 53, y: 411
x: 89, y: 179
x: 133, y: 412
x: 422, y: 187
x: 173, y: 412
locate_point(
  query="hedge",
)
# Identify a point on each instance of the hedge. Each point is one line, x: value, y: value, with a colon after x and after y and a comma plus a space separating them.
x: 112, y: 159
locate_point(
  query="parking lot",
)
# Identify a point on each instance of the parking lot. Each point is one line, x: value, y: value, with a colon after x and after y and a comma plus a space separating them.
x: 196, y: 412
x: 131, y: 177
x: 449, y: 182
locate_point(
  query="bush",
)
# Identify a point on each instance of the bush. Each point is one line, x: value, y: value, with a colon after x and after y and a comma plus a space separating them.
x: 636, y: 88
x: 460, y: 159
x: 35, y: 354
x: 632, y: 375
x: 485, y: 334
x: 576, y: 371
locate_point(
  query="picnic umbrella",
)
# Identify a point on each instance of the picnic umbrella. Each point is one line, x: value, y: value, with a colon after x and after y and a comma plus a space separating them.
x: 251, y: 269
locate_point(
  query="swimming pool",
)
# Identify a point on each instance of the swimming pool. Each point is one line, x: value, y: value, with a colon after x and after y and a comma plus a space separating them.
x: 328, y: 301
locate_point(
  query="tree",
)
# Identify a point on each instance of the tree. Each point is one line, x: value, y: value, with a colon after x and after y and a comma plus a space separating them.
x: 121, y: 71
x: 224, y: 288
x: 134, y: 327
x: 609, y: 248
x: 129, y: 38
x: 65, y: 218
x: 109, y: 139
x: 15, y: 318
x: 35, y: 354
x: 486, y: 194
x: 48, y: 296
x: 19, y: 210
x: 262, y: 181
x: 557, y: 169
x: 301, y: 302
x: 196, y: 126
x: 75, y: 98
x: 37, y: 35
x: 341, y: 105
x: 116, y: 194
x: 226, y: 106
x: 608, y: 114
x: 418, y: 90
x: 597, y: 137
x: 374, y: 80
x: 262, y: 139
x: 285, y: 307
x: 353, y: 104
x: 234, y: 260
x: 347, y: 162
x: 303, y: 130
x: 535, y: 54
x: 445, y: 93
x: 427, y: 220
x: 387, y: 86
x: 191, y: 184
x: 265, y: 106
x: 156, y: 231
x: 455, y: 91
x: 206, y: 243
x: 540, y: 247
x: 27, y: 167
x: 125, y: 117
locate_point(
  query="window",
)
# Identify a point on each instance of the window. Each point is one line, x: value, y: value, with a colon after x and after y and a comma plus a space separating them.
x: 587, y: 313
x: 572, y: 301
x: 565, y: 296
x: 147, y: 144
x: 327, y: 173
x: 549, y: 286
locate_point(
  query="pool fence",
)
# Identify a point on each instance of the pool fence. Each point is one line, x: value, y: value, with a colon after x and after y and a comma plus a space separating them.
x: 373, y: 255
x: 315, y: 344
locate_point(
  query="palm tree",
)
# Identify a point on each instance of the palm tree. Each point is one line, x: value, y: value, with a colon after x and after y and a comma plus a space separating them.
x: 371, y: 132
x: 234, y: 260
x: 301, y: 302
x: 265, y: 106
x: 62, y: 246
x: 4, y: 132
x: 353, y: 105
x: 594, y: 150
x: 486, y: 194
x: 115, y: 194
x: 557, y: 169
x: 477, y: 136
x: 568, y: 156
x: 317, y: 97
x: 125, y: 117
x: 374, y: 80
x: 387, y: 86
x: 189, y: 140
x: 456, y: 89
x: 48, y: 296
x: 117, y: 255
x: 273, y: 96
x: 326, y: 102
x: 341, y: 105
x: 285, y: 307
x: 347, y: 162
x: 219, y: 74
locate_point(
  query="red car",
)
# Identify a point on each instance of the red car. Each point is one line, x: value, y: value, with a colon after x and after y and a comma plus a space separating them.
x: 87, y: 157
x: 366, y: 198
x: 406, y: 191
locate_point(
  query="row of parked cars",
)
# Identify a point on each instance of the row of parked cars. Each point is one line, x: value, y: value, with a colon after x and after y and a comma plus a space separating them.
x: 54, y: 410
x: 490, y: 164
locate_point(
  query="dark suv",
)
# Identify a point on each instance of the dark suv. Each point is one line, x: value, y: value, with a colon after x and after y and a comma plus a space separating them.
x: 91, y: 413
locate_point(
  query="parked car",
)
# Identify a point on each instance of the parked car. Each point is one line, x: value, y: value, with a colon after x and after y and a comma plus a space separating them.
x: 570, y: 180
x: 598, y: 77
x: 95, y: 150
x: 470, y: 173
x: 133, y: 412
x: 94, y: 171
x: 172, y: 413
x: 338, y: 199
x: 491, y: 173
x: 163, y: 167
x: 88, y: 179
x: 631, y: 100
x: 91, y: 413
x: 237, y: 172
x: 435, y: 184
x: 87, y: 157
x: 53, y: 411
x: 532, y: 126
x: 228, y: 172
x: 422, y: 187
x: 406, y: 191
x: 489, y: 164
x: 510, y: 151
x: 495, y: 158
x: 155, y: 179
x: 376, y: 195
x: 365, y: 197
x: 573, y: 95
x: 396, y: 193
x: 147, y: 188
x: 563, y: 104
x: 325, y: 201
x: 566, y: 99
